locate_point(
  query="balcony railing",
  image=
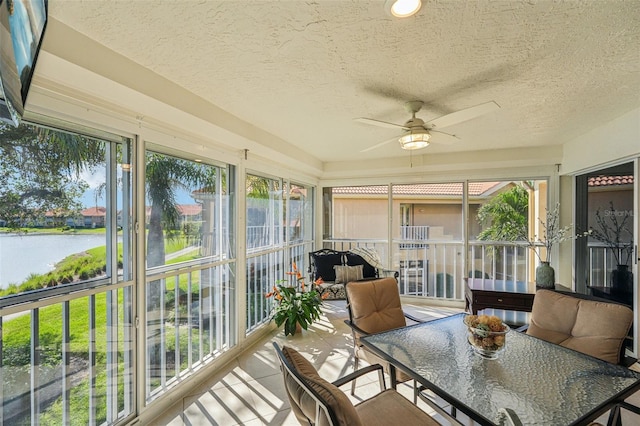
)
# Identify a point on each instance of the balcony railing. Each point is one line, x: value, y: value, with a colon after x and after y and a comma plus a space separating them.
x: 434, y: 269
x: 189, y: 321
x: 602, y: 261
x: 263, y: 271
x: 77, y: 364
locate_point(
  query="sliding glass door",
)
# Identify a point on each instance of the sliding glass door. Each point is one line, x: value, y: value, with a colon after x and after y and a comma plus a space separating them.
x: 606, y: 207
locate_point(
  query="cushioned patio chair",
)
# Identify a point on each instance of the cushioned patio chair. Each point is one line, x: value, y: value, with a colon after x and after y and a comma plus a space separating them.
x: 374, y: 306
x: 315, y: 401
x: 596, y: 328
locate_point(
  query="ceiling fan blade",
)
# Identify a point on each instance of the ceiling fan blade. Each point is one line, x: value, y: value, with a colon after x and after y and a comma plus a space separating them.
x: 462, y: 115
x: 445, y: 139
x: 371, y: 148
x: 379, y: 123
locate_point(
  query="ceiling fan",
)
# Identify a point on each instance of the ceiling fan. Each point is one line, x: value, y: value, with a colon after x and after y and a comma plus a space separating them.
x: 417, y: 132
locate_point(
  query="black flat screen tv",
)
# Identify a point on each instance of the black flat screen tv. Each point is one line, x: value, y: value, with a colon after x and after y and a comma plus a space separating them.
x: 22, y: 25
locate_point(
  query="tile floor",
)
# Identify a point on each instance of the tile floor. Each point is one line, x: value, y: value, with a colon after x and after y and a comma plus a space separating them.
x: 250, y: 390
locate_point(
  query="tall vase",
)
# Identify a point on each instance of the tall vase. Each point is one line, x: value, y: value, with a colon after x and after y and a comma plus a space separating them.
x: 621, y: 279
x: 545, y: 276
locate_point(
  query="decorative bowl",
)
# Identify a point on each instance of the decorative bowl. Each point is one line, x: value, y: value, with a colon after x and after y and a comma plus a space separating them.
x: 487, y: 334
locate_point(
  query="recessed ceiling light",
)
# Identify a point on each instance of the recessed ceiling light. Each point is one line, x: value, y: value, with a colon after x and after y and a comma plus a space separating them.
x: 402, y: 8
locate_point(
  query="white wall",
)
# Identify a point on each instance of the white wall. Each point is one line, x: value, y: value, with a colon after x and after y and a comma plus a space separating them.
x: 611, y: 142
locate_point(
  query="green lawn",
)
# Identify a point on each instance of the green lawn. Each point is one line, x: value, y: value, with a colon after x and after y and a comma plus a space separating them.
x: 17, y: 332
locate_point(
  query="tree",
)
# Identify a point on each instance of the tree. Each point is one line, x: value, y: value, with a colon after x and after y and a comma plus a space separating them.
x: 40, y: 171
x: 164, y: 177
x: 504, y: 217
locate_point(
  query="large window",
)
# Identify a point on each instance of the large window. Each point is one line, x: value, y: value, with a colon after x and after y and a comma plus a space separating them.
x: 190, y: 299
x: 429, y: 230
x: 503, y: 216
x: 429, y: 238
x: 66, y: 297
x: 279, y: 232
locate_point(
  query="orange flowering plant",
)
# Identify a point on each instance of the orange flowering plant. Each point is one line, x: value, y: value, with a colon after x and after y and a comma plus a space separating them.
x: 297, y: 304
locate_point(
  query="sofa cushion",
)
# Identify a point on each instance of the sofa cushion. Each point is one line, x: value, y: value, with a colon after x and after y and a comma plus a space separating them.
x: 592, y: 327
x: 345, y: 274
x: 324, y: 264
x: 368, y: 271
x: 331, y: 291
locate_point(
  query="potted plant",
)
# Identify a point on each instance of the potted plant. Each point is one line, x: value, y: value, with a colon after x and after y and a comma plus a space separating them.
x: 612, y: 229
x: 296, y: 305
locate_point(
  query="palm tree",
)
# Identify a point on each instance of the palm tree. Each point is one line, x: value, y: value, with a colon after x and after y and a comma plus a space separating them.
x: 504, y: 217
x: 164, y: 177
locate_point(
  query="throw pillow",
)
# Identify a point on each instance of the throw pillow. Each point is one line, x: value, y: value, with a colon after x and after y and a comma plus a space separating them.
x: 368, y: 271
x: 345, y: 274
x: 324, y: 264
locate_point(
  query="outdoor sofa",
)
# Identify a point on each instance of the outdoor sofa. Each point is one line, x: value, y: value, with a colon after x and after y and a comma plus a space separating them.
x: 336, y: 268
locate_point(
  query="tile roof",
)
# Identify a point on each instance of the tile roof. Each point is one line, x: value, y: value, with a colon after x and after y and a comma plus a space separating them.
x: 475, y: 189
x: 94, y: 211
x: 610, y: 180
x: 189, y: 209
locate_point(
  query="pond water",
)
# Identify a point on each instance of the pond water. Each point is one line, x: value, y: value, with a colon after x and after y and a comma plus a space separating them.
x: 22, y: 255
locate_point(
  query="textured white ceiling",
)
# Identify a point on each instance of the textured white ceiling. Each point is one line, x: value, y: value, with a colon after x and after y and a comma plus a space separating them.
x: 304, y: 70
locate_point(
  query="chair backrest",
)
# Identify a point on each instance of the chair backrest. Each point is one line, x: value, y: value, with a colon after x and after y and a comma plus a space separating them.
x: 374, y: 305
x: 313, y: 400
x: 592, y: 327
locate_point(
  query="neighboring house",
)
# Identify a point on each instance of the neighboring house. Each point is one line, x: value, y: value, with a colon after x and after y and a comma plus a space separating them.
x: 58, y: 218
x: 94, y: 217
x: 189, y: 213
x: 420, y: 211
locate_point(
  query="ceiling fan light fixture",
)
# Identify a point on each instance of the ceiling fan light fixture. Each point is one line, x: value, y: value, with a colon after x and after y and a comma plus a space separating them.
x: 402, y: 8
x: 414, y: 140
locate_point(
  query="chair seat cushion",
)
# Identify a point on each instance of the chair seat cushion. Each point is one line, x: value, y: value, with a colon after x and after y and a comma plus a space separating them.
x: 333, y: 291
x: 391, y: 408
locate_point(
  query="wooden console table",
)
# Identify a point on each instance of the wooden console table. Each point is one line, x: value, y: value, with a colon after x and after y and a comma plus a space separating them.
x: 499, y: 294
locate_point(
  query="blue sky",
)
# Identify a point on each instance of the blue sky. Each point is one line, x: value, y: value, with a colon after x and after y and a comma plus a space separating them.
x: 96, y: 178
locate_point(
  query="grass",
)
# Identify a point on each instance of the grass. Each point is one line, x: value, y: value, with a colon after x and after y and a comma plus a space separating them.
x: 57, y: 231
x: 17, y: 331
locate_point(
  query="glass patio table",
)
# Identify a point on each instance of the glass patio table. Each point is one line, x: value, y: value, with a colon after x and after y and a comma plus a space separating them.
x: 543, y: 383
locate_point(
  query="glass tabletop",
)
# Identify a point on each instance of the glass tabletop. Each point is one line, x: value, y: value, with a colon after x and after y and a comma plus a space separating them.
x: 542, y: 382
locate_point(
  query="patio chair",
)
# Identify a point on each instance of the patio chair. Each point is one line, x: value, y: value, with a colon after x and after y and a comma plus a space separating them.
x: 374, y: 306
x: 594, y: 327
x: 315, y: 401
